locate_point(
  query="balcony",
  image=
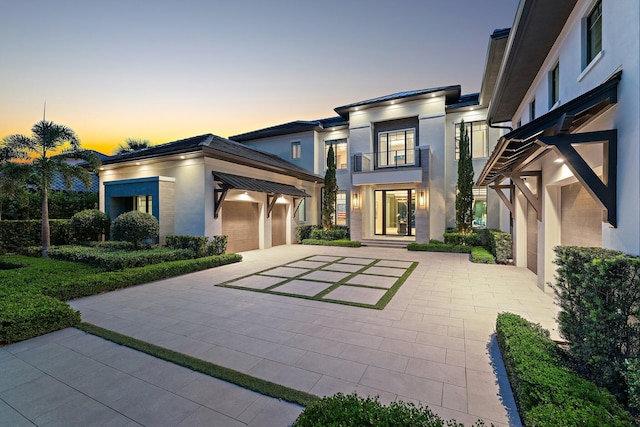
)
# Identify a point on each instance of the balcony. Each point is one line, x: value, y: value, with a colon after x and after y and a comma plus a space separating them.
x: 400, y: 166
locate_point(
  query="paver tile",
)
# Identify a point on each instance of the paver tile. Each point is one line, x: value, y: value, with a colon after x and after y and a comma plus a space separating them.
x: 302, y: 287
x: 356, y: 294
x: 358, y: 261
x: 327, y: 276
x: 307, y: 264
x: 347, y: 268
x: 257, y: 282
x: 385, y: 271
x: 372, y: 280
x: 285, y: 272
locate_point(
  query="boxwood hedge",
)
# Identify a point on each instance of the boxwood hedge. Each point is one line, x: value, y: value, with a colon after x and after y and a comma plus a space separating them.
x: 547, y: 392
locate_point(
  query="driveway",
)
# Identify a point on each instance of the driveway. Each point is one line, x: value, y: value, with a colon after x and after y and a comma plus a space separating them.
x: 433, y: 343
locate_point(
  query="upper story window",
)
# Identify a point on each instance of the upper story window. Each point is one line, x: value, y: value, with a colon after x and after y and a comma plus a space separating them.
x: 594, y: 32
x: 296, y: 150
x: 478, y: 139
x: 396, y: 148
x: 532, y: 110
x: 339, y: 151
x: 554, y: 85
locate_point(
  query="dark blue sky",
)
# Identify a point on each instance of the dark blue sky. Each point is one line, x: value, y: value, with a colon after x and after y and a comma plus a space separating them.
x: 164, y: 70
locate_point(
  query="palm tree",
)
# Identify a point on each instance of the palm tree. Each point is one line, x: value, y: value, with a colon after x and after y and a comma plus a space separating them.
x: 47, y: 139
x: 132, y: 144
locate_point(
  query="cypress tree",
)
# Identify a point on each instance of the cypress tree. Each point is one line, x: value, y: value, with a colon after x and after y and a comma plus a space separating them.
x: 330, y: 191
x: 464, y: 197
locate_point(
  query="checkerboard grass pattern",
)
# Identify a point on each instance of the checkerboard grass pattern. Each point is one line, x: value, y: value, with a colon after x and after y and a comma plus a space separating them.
x: 361, y: 282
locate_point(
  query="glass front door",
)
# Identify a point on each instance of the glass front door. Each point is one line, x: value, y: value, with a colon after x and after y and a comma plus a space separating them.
x: 395, y: 212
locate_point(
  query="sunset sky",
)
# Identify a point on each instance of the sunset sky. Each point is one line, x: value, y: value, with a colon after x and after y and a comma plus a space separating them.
x: 165, y: 70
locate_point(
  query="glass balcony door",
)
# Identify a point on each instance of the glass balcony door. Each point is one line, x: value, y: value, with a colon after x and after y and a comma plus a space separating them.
x: 394, y: 212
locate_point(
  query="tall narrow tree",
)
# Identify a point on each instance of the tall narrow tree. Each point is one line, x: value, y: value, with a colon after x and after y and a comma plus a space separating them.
x: 48, y: 148
x: 330, y: 191
x: 464, y: 197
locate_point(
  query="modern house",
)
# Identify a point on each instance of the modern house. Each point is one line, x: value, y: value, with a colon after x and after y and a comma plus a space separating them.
x: 396, y: 160
x: 207, y: 185
x: 569, y: 170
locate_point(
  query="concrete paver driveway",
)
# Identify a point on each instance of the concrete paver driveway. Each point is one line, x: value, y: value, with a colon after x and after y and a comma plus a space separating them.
x: 432, y: 344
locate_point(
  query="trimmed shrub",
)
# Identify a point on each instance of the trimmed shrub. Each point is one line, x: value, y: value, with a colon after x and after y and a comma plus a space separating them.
x: 111, y: 280
x: 26, y: 315
x: 598, y: 291
x: 632, y: 377
x: 303, y: 232
x: 89, y: 224
x: 118, y: 259
x: 15, y: 235
x: 344, y: 243
x: 481, y: 255
x: 547, y: 392
x: 352, y: 410
x: 333, y: 234
x: 437, y: 246
x: 500, y: 245
x: 462, y: 239
x: 197, y: 244
x: 135, y: 227
x: 217, y: 245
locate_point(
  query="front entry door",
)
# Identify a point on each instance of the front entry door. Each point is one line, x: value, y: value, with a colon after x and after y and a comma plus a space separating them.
x: 395, y: 212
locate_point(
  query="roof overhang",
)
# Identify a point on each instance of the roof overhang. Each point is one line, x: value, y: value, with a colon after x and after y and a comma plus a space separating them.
x: 523, y: 145
x: 273, y: 190
x: 557, y: 130
x: 495, y: 54
x: 537, y: 25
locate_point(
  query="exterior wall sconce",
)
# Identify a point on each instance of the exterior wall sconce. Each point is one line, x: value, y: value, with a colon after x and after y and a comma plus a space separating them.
x: 421, y: 199
x: 356, y: 201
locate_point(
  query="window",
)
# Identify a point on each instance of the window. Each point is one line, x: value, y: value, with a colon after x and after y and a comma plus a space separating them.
x: 532, y: 110
x: 396, y: 148
x: 594, y: 32
x: 302, y: 211
x: 341, y: 208
x: 554, y: 85
x: 478, y: 139
x: 143, y: 204
x: 339, y: 150
x: 480, y: 206
x: 296, y: 150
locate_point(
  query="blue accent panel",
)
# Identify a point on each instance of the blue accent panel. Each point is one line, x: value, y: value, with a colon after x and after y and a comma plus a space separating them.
x: 116, y: 192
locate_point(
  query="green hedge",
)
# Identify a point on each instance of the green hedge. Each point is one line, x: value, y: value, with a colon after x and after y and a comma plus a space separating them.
x: 303, y: 232
x: 500, y: 245
x: 435, y: 246
x: 481, y: 255
x: 598, y: 291
x: 333, y: 234
x: 112, y: 280
x: 26, y: 315
x: 344, y: 243
x: 89, y: 224
x: 15, y: 235
x: 118, y: 259
x: 62, y: 204
x: 352, y: 410
x: 463, y: 239
x: 547, y: 392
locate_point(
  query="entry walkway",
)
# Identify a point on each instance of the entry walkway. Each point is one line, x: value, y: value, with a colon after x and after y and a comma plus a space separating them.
x: 432, y: 344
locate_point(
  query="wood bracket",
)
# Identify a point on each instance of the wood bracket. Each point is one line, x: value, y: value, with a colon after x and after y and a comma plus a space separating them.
x: 603, y: 191
x: 533, y: 199
x: 503, y: 197
x: 218, y: 198
x: 271, y: 202
x: 297, y: 201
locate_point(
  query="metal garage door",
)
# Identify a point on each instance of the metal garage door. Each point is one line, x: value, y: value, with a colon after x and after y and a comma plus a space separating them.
x: 279, y: 225
x: 240, y: 221
x: 581, y: 220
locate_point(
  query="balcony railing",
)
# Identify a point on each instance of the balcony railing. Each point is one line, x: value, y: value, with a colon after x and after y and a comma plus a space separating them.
x: 367, y: 162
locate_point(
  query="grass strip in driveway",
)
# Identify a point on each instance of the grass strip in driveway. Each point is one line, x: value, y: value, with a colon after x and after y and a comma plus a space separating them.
x: 322, y: 295
x: 241, y: 379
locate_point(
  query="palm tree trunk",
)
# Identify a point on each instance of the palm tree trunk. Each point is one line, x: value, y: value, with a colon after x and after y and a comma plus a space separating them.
x: 46, y: 236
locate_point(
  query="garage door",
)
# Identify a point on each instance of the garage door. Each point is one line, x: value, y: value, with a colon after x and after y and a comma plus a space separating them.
x: 279, y: 225
x: 581, y: 221
x: 240, y: 221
